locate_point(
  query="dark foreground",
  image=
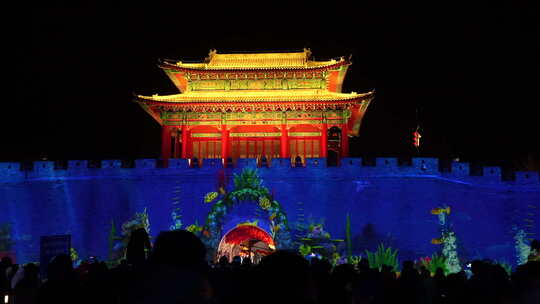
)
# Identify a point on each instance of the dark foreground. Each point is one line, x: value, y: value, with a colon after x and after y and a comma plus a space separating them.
x: 176, y: 272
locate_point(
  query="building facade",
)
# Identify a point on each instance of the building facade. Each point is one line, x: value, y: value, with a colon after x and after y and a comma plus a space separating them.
x: 257, y: 105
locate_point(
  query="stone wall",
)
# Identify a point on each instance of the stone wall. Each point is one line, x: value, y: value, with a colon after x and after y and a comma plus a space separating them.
x: 388, y: 202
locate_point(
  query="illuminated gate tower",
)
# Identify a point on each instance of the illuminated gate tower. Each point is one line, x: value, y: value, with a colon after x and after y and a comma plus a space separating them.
x: 253, y: 105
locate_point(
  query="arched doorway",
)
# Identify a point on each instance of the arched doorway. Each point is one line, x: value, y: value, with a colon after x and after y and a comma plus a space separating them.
x: 248, y: 191
x: 334, y: 138
x: 246, y: 241
x: 334, y: 147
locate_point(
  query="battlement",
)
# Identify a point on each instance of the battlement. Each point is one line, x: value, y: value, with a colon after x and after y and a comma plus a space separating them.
x: 14, y: 171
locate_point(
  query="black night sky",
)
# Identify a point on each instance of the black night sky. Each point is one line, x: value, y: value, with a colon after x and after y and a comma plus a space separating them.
x: 468, y: 74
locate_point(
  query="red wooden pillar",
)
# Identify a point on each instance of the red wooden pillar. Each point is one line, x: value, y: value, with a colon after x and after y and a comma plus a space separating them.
x: 224, y: 143
x: 344, y: 140
x: 184, y: 141
x: 174, y: 144
x: 284, y: 142
x: 324, y: 140
x: 165, y: 144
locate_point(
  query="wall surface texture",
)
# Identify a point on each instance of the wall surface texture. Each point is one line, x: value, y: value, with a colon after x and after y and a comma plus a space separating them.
x: 387, y: 203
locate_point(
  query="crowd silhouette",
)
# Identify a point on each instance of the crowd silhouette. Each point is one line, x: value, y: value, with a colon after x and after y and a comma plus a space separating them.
x: 175, y: 270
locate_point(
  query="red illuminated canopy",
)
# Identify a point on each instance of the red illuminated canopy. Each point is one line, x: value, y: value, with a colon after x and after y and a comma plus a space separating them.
x: 247, y: 232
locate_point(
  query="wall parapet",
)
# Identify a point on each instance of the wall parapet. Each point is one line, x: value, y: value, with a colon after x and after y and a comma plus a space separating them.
x: 13, y: 171
x: 527, y: 177
x: 146, y: 163
x: 10, y: 170
x: 460, y: 169
x: 77, y: 164
x: 179, y: 163
x: 111, y: 163
x: 492, y: 173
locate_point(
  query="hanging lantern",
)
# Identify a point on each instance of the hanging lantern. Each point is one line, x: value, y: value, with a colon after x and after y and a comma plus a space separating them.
x: 416, y: 138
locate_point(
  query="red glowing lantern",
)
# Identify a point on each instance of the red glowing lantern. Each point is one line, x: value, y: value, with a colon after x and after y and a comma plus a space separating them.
x: 416, y: 138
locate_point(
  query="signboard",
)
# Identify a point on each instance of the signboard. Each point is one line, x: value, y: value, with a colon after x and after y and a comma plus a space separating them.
x: 51, y: 246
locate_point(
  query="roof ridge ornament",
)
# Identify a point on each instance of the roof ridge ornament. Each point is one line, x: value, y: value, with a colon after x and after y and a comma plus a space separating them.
x: 308, y: 53
x: 211, y: 55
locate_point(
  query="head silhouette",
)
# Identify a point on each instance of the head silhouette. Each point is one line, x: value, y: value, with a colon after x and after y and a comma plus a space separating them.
x: 237, y: 260
x: 363, y: 265
x: 439, y: 272
x: 478, y: 267
x: 31, y: 271
x: 138, y: 242
x: 138, y: 236
x: 223, y: 261
x: 289, y: 273
x: 60, y: 268
x: 180, y: 248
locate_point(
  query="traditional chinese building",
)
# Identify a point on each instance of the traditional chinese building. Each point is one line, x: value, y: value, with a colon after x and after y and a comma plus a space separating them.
x: 252, y: 105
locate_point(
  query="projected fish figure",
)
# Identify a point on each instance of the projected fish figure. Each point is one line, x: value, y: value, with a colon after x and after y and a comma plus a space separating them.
x: 441, y: 210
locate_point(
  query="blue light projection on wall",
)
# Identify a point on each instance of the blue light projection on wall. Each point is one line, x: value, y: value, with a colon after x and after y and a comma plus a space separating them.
x: 387, y: 203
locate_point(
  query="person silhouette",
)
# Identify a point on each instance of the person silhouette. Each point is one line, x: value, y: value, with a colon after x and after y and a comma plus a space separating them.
x: 176, y: 272
x: 62, y: 285
x: 138, y: 247
x: 298, y: 161
x: 290, y: 276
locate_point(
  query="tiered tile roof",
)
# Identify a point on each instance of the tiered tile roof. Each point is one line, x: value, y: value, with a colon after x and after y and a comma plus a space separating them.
x: 306, y: 95
x: 256, y: 61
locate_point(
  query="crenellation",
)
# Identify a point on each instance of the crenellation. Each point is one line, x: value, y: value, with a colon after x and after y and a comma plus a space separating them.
x: 280, y: 163
x: 476, y: 169
x: 369, y: 161
x: 425, y: 165
x: 60, y: 165
x: 350, y: 165
x: 111, y: 163
x: 178, y: 163
x: 388, y: 163
x: 8, y: 167
x: 460, y: 169
x: 8, y: 170
x: 44, y: 168
x: 263, y: 163
x: 492, y: 173
x: 246, y: 162
x: 77, y: 165
x: 316, y: 162
x: 527, y: 177
x: 94, y: 164
x: 212, y: 163
x: 127, y: 163
x: 77, y: 168
x: 146, y: 163
x: 350, y: 162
